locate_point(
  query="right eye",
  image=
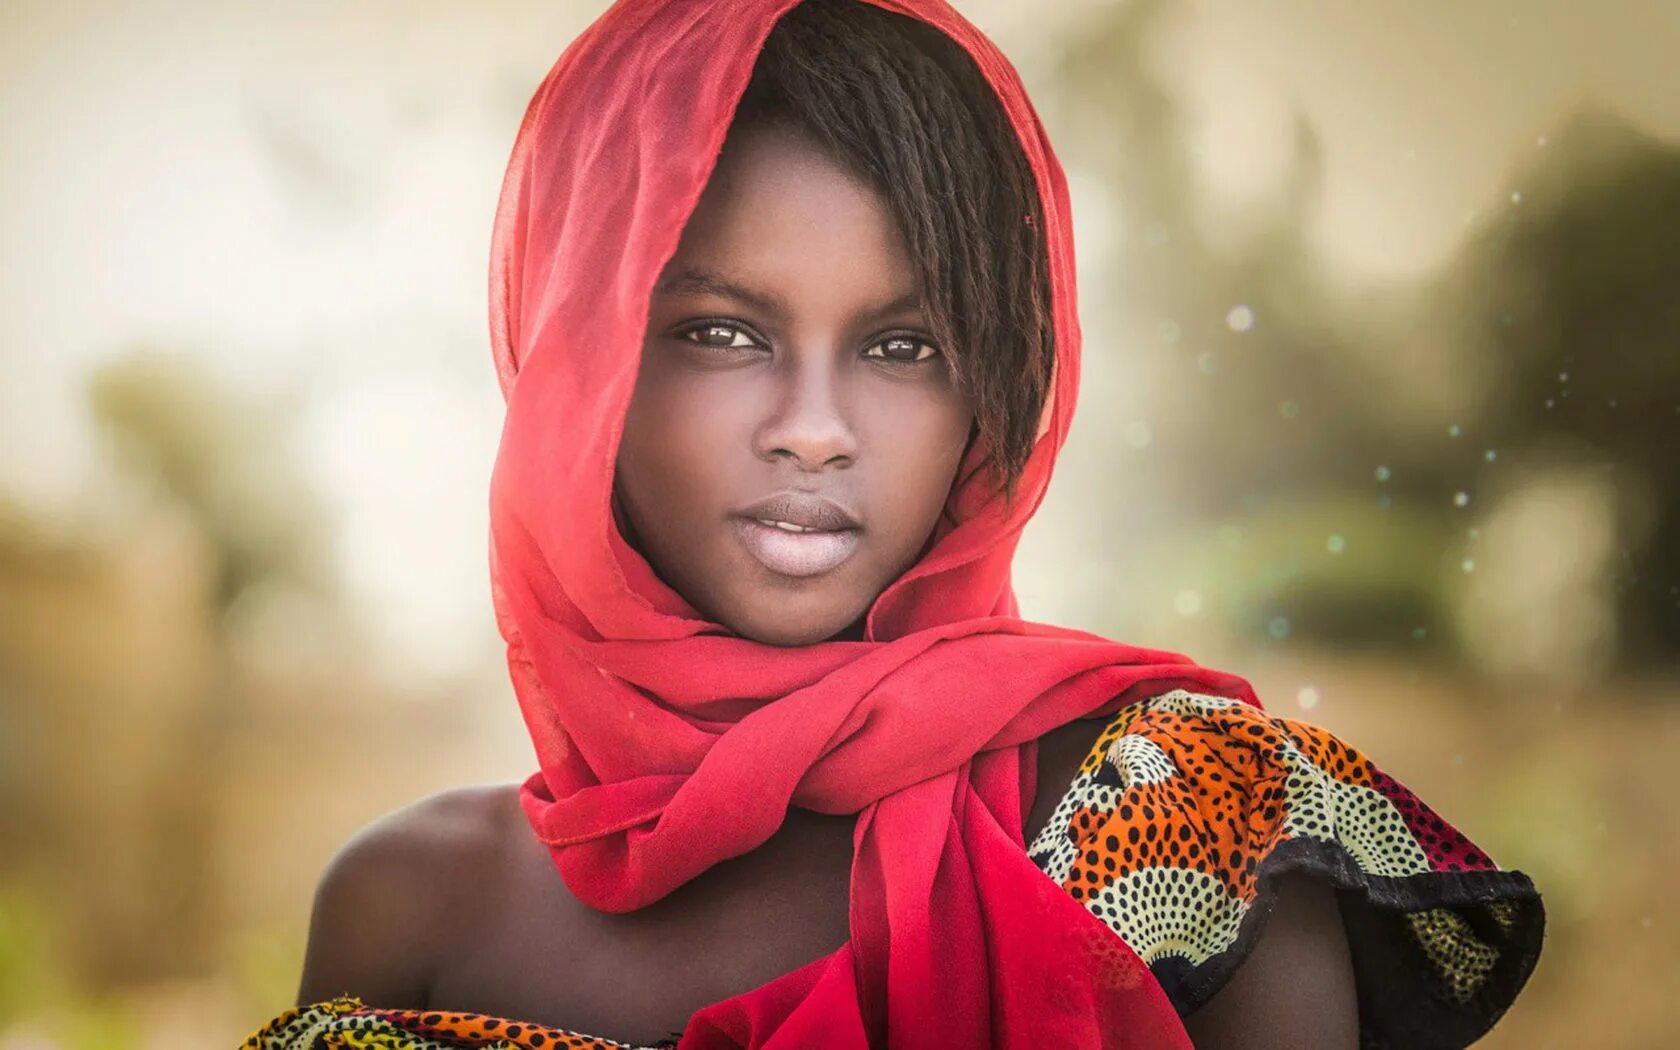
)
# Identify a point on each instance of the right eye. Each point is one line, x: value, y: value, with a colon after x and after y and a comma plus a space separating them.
x: 719, y: 335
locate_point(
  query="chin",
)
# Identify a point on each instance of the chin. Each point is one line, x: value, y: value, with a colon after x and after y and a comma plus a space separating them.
x: 782, y: 632
x: 776, y: 626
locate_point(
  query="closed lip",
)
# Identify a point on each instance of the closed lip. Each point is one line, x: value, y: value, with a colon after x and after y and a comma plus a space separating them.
x: 804, y: 509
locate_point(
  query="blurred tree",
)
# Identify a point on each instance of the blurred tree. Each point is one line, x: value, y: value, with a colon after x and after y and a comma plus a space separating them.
x: 1272, y: 405
x: 1570, y: 302
x: 118, y: 656
x: 222, y: 458
x: 1283, y: 392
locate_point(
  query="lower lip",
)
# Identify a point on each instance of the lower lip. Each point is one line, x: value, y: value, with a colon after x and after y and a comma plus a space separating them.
x: 796, y: 553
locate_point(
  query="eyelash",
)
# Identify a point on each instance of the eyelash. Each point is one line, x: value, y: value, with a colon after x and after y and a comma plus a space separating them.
x: 699, y: 326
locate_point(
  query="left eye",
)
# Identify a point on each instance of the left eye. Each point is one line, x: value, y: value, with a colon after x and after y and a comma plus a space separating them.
x: 902, y: 349
x: 720, y: 336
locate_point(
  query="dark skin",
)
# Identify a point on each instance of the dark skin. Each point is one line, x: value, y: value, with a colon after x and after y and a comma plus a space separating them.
x: 451, y: 903
x: 787, y: 349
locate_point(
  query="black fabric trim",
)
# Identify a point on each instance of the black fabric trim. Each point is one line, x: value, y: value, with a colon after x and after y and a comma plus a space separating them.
x: 1402, y: 1001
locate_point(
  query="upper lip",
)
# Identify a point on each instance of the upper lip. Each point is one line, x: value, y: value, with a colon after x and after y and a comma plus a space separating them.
x: 805, y: 509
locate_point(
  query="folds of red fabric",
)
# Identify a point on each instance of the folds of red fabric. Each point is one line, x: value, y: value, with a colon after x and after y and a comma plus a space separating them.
x: 665, y: 743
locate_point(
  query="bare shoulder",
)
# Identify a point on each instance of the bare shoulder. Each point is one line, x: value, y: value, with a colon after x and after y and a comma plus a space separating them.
x: 391, y: 897
x: 1296, y: 988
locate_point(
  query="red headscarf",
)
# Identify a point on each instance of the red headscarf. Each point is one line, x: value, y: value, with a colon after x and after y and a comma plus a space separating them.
x: 667, y: 743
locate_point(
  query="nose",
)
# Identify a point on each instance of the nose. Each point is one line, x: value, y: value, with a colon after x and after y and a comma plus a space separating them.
x: 808, y: 423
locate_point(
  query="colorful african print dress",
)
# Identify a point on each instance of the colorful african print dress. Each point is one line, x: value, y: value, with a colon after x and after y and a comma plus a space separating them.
x: 1181, y: 818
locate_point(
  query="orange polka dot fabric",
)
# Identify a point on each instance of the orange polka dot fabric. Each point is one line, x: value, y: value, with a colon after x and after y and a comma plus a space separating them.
x: 346, y: 1023
x: 1189, y: 807
x: 1184, y: 812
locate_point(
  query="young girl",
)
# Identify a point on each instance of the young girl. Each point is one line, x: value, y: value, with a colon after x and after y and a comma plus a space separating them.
x: 783, y: 309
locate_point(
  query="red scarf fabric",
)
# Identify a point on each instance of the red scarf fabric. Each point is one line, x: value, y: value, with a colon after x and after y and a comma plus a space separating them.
x: 667, y: 743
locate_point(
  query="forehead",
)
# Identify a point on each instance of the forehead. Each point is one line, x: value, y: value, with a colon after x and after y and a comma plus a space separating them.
x: 780, y: 211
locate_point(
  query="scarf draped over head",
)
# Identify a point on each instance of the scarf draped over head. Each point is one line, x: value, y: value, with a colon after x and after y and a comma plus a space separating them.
x: 666, y: 743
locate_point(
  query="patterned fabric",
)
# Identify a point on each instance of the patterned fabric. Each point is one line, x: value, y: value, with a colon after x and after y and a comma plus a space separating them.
x: 1183, y: 814
x: 343, y: 1023
x: 1188, y: 808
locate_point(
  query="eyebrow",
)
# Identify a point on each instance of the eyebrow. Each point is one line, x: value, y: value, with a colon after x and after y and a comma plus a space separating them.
x: 695, y: 281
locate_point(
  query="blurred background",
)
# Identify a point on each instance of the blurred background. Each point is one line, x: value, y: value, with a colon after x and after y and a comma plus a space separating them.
x: 1381, y: 410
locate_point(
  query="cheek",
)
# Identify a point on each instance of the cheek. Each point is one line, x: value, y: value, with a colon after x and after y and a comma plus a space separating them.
x: 917, y: 442
x: 674, y: 434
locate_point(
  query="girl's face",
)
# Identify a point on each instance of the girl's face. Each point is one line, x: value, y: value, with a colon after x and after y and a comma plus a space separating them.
x: 788, y: 376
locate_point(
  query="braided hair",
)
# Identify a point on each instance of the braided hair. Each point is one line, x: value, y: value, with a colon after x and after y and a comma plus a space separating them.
x: 900, y: 105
